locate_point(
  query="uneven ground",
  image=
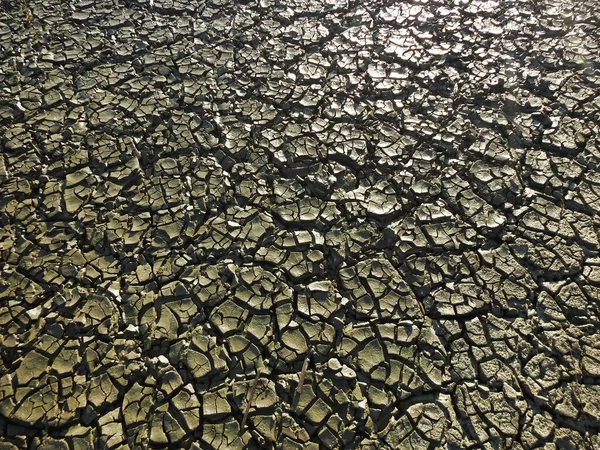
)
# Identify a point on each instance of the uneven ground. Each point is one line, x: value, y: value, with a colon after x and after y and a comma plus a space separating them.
x: 199, y: 198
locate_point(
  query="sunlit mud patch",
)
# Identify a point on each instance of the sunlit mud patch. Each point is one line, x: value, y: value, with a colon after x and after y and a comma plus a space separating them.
x: 299, y: 225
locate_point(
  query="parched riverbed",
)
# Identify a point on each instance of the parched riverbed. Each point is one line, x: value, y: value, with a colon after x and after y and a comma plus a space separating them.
x: 303, y: 224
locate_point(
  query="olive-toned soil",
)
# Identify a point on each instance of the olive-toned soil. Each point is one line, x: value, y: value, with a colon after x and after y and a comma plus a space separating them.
x: 302, y: 224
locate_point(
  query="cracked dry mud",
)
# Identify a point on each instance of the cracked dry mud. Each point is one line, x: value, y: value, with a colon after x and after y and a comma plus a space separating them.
x: 206, y: 204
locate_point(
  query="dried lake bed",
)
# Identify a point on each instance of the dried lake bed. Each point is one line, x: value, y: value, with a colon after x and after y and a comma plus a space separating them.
x: 304, y: 224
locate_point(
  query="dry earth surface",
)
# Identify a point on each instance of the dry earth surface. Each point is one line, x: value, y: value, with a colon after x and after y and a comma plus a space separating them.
x: 299, y: 224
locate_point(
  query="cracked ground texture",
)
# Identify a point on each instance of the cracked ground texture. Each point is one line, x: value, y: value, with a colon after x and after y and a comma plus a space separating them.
x: 303, y: 224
